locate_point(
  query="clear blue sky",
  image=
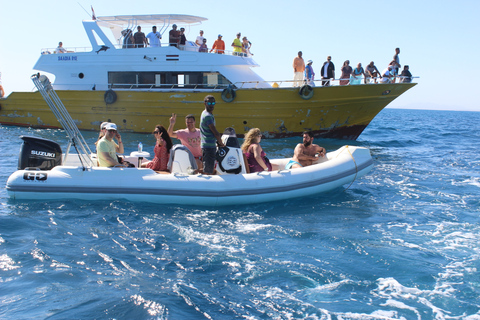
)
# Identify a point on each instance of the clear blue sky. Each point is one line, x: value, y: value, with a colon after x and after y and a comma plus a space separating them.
x: 438, y: 39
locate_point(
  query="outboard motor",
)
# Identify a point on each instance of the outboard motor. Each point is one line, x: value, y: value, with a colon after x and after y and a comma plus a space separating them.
x: 39, y: 153
x: 229, y: 138
x: 230, y: 158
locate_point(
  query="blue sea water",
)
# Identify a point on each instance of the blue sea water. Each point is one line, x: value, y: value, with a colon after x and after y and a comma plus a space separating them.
x: 402, y: 242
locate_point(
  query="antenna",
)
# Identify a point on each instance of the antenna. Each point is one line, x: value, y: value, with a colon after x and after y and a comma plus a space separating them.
x: 84, y: 9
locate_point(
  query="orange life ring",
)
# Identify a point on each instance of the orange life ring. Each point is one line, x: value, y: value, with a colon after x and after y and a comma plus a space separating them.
x: 2, y: 92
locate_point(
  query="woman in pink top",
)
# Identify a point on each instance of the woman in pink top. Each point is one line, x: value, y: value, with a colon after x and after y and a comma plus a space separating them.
x: 162, y: 150
x: 256, y: 158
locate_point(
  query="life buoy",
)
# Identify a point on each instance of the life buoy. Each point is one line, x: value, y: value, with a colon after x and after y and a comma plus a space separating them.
x: 110, y: 96
x: 306, y: 92
x: 228, y: 94
x: 2, y: 92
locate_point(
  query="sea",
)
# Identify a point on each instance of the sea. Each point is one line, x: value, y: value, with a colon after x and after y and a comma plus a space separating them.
x: 402, y: 242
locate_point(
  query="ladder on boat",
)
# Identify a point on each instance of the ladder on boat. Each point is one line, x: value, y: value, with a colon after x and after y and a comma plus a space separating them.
x: 75, y: 138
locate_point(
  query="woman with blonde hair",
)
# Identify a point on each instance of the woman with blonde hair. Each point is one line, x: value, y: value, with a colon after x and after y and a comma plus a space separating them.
x: 256, y: 158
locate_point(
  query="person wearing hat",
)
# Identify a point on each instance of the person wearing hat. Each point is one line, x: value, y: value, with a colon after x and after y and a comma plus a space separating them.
x: 237, y: 45
x: 218, y: 45
x: 174, y: 36
x: 309, y: 74
x: 107, y: 149
x: 102, y: 131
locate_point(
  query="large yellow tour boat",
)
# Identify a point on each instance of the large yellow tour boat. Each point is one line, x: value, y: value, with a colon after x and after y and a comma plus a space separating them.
x: 139, y: 87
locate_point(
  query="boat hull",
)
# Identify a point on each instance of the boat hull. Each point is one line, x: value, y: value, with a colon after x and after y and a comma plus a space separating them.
x: 339, y: 112
x: 343, y: 167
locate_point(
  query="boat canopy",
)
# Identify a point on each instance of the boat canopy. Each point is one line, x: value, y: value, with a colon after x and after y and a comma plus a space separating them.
x: 118, y: 23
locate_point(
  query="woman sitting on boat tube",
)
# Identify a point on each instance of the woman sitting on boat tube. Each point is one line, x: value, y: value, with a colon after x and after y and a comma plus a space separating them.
x: 162, y: 148
x: 256, y: 158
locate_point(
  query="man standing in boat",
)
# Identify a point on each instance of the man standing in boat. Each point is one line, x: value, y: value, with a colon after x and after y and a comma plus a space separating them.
x: 306, y: 153
x: 218, y: 45
x: 154, y: 38
x: 189, y: 137
x: 174, y: 36
x: 107, y: 149
x: 237, y: 45
x: 210, y: 135
x: 140, y: 39
x: 328, y: 72
x: 298, y: 69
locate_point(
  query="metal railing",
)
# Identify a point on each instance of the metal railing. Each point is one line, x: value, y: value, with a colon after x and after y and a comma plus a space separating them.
x: 75, y: 137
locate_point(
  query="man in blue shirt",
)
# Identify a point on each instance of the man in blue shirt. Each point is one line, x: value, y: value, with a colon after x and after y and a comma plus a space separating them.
x: 210, y: 136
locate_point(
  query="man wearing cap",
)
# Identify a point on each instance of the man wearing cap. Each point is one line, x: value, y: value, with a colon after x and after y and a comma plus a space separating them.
x: 298, y: 69
x: 174, y: 36
x: 218, y: 45
x: 237, y: 45
x: 107, y: 149
x: 154, y: 37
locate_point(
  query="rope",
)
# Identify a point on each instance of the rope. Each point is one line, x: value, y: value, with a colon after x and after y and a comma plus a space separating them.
x: 356, y: 168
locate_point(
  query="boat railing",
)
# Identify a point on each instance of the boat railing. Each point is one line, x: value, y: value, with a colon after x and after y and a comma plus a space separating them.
x: 318, y: 83
x: 120, y: 46
x: 173, y: 86
x: 243, y: 84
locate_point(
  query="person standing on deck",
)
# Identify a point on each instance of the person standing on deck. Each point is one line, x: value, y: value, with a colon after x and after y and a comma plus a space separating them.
x: 298, y: 69
x: 154, y: 38
x: 140, y: 39
x: 218, y: 45
x: 327, y: 72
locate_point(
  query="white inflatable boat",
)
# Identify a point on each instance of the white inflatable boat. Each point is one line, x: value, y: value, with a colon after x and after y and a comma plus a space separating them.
x: 42, y: 177
x: 44, y: 173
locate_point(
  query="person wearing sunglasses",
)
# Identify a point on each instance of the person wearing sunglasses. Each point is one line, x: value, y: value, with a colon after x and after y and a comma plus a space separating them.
x: 107, y: 149
x: 209, y: 135
x: 162, y: 148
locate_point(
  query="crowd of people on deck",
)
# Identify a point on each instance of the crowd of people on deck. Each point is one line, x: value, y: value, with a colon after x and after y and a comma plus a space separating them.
x: 202, y: 143
x: 304, y: 74
x: 177, y: 38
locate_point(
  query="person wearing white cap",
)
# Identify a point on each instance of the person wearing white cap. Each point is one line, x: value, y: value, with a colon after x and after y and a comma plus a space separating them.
x: 107, y: 149
x: 309, y: 74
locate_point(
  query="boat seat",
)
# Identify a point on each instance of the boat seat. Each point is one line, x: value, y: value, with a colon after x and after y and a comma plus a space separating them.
x: 181, y: 160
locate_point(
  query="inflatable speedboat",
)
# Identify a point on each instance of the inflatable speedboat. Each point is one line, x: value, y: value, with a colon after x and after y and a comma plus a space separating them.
x: 42, y: 175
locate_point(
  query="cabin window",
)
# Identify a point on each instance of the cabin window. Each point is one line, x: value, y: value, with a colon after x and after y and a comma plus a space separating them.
x: 158, y: 80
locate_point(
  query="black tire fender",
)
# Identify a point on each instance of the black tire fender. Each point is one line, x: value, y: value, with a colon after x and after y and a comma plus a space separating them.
x: 306, y: 92
x: 110, y: 96
x: 228, y: 94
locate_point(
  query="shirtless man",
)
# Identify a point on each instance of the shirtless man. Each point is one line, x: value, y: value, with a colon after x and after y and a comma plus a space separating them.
x: 189, y: 137
x: 306, y: 153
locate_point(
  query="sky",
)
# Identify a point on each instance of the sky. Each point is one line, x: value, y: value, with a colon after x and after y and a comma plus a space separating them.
x: 438, y: 39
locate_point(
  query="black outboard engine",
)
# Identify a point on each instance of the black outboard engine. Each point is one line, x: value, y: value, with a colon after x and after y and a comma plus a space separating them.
x: 39, y: 153
x: 229, y: 138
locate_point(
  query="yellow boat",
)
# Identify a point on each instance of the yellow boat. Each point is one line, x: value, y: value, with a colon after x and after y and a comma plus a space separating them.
x: 137, y: 88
